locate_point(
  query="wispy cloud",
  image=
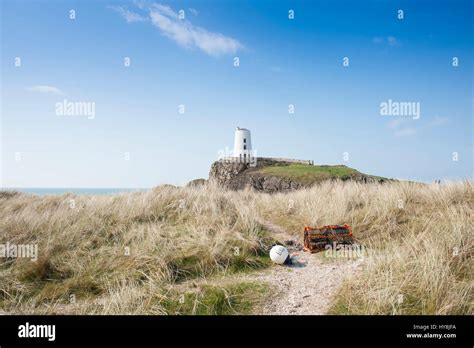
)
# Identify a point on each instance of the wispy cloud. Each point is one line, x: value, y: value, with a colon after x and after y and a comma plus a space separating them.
x: 182, y: 31
x: 389, y: 40
x: 395, y: 123
x: 392, y: 41
x: 45, y: 89
x: 128, y: 15
x: 187, y: 35
x: 193, y: 11
x: 405, y: 132
x: 438, y: 121
x: 400, y: 128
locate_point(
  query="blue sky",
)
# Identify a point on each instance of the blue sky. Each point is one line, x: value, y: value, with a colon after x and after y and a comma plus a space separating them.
x: 137, y: 137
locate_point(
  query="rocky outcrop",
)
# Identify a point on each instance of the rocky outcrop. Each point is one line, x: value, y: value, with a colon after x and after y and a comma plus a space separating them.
x: 238, y: 176
x: 196, y: 182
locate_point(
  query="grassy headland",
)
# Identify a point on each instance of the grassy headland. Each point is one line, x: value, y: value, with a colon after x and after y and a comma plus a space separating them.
x: 310, y: 174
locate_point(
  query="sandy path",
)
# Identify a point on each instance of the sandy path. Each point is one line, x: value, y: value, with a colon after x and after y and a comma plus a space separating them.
x: 309, y: 284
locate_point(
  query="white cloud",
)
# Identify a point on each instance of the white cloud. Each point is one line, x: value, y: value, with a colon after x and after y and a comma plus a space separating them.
x: 182, y: 31
x: 193, y: 11
x: 129, y: 16
x: 395, y: 123
x: 389, y: 40
x: 392, y: 41
x: 166, y: 10
x: 400, y: 128
x: 438, y: 121
x: 45, y: 89
x: 187, y: 35
x: 405, y: 132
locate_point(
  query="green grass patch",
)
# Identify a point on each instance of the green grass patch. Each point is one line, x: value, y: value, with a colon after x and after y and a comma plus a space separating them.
x: 250, y: 263
x: 80, y: 287
x: 191, y: 267
x: 239, y: 298
x: 308, y: 173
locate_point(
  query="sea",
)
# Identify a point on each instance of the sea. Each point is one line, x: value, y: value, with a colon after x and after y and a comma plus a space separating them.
x: 41, y: 191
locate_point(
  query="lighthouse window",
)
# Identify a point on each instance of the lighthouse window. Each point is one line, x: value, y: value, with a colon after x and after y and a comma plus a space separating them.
x: 245, y: 147
x: 245, y: 141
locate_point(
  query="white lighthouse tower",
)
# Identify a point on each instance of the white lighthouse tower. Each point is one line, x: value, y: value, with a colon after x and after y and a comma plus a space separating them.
x: 242, y: 145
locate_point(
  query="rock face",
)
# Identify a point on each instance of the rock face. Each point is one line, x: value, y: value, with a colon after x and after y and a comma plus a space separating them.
x: 196, y: 182
x: 237, y: 176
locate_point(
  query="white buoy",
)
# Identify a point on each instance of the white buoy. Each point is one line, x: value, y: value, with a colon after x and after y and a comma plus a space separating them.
x: 279, y: 254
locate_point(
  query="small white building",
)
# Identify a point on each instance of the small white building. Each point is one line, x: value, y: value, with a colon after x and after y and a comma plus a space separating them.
x: 242, y: 145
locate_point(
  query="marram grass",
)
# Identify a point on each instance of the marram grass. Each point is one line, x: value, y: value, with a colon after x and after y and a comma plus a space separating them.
x: 177, y: 250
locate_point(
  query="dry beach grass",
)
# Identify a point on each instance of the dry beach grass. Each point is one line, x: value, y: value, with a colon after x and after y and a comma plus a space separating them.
x: 122, y: 253
x: 178, y: 250
x: 418, y: 239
